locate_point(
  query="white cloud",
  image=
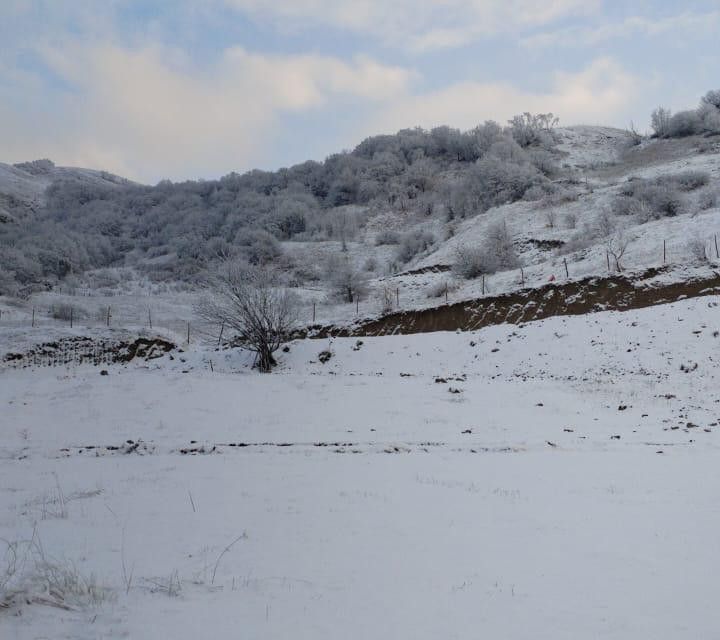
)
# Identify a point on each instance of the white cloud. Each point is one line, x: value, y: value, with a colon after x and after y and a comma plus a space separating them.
x: 418, y: 25
x: 142, y: 111
x: 695, y: 24
x: 600, y: 93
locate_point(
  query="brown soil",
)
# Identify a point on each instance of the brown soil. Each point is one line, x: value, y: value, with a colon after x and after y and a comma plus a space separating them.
x: 82, y: 350
x: 618, y: 292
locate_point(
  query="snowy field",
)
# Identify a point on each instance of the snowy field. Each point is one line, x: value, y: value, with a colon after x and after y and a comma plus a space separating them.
x: 554, y: 480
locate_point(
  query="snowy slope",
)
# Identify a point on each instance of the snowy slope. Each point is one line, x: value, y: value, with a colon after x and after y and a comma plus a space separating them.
x: 557, y: 479
x: 23, y: 187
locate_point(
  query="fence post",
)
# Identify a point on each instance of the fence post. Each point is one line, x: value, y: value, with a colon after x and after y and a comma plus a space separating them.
x: 313, y: 313
x: 567, y: 273
x: 397, y: 296
x: 108, y: 317
x: 33, y: 317
x: 222, y: 328
x: 717, y: 254
x: 522, y: 276
x: 357, y: 305
x: 664, y: 252
x: 483, y: 284
x: 71, y: 317
x: 446, y: 296
x: 188, y: 333
x: 149, y: 318
x: 607, y: 257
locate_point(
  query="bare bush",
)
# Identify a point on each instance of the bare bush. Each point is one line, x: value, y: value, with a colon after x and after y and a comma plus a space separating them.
x: 249, y: 301
x: 697, y: 248
x: 616, y: 245
x: 386, y: 297
x: 550, y: 218
x: 570, y: 220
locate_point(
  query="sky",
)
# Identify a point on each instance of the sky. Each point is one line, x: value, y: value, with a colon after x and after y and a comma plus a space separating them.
x: 182, y: 89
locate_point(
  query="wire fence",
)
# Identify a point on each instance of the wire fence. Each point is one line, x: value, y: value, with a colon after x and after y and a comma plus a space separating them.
x: 86, y: 309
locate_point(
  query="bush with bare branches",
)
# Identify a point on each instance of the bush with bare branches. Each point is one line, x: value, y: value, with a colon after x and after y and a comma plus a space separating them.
x: 249, y: 301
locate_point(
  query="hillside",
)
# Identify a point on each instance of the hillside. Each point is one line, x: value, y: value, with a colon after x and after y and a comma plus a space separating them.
x: 512, y: 478
x: 406, y: 222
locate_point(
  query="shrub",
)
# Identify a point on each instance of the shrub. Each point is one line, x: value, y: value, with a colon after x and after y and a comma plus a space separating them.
x: 258, y: 247
x: 65, y: 311
x: 684, y: 123
x: 438, y: 289
x: 654, y: 198
x: 496, y: 253
x: 709, y: 199
x: 414, y: 243
x: 697, y: 247
x: 387, y: 237
x: 472, y: 262
x: 689, y: 180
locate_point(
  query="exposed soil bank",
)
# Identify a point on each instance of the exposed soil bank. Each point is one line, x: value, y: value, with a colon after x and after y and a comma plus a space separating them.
x: 617, y: 292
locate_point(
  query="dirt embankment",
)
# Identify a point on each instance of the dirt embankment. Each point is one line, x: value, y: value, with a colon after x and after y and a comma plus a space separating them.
x: 83, y: 350
x: 617, y: 292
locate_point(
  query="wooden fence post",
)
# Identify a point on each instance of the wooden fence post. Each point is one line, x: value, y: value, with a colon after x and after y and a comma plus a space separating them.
x: 397, y: 296
x: 664, y: 252
x: 313, y: 312
x: 717, y: 254
x: 188, y: 333
x: 607, y: 257
x: 149, y: 317
x: 33, y: 317
x: 222, y: 328
x: 567, y: 273
x: 522, y: 276
x: 483, y: 284
x: 71, y: 317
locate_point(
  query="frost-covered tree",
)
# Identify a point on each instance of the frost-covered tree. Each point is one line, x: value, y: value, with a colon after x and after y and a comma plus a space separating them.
x: 660, y: 121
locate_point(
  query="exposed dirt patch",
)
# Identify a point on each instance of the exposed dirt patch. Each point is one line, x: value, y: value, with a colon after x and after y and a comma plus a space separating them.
x: 83, y: 350
x: 616, y: 292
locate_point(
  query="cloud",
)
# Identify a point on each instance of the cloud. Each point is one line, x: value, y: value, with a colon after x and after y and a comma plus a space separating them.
x: 598, y: 93
x: 153, y: 109
x: 695, y: 24
x: 418, y: 25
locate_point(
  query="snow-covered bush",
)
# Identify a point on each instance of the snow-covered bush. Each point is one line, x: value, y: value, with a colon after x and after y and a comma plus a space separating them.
x: 660, y: 122
x: 387, y: 237
x: 257, y: 246
x: 685, y: 123
x: 347, y: 283
x: 496, y: 253
x: 413, y: 244
x: 440, y: 288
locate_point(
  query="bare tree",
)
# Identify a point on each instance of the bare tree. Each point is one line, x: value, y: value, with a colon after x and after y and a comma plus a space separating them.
x: 249, y: 301
x: 616, y: 246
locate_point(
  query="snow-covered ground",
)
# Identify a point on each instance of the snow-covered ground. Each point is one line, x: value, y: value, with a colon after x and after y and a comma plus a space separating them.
x: 557, y: 479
